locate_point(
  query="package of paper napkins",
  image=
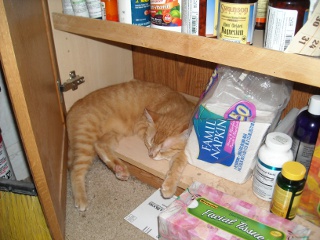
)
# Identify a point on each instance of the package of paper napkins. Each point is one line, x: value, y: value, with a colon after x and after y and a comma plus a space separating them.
x: 233, y: 116
x: 204, y: 213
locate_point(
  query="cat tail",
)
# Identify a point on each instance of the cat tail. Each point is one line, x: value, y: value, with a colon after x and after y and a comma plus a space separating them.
x: 80, y: 157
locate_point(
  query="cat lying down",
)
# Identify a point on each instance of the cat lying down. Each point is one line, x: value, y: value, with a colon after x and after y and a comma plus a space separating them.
x: 96, y: 123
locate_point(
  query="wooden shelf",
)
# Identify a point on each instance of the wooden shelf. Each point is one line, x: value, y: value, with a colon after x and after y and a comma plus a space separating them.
x: 292, y: 67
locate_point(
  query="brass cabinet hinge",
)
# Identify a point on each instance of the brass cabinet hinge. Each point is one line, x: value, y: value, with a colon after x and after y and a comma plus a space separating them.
x: 72, y: 83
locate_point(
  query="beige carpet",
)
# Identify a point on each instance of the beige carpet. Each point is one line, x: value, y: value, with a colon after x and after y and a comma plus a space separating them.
x: 110, y: 200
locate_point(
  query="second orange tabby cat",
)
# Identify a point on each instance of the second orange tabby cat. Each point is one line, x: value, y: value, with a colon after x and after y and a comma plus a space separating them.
x: 96, y: 123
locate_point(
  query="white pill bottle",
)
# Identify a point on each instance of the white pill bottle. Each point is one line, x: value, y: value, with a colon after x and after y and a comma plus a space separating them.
x: 271, y: 156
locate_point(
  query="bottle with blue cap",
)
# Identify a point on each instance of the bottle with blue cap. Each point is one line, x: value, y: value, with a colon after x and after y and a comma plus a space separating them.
x: 306, y: 132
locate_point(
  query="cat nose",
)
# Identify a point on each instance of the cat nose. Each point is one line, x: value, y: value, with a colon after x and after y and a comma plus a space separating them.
x: 151, y: 154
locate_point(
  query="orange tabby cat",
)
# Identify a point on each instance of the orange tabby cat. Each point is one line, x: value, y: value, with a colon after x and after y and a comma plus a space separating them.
x: 97, y: 122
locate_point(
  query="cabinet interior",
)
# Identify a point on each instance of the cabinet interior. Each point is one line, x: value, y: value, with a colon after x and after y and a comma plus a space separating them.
x: 109, y: 52
x: 184, y: 63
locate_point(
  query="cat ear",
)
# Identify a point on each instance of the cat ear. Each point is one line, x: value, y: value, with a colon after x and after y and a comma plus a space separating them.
x: 151, y: 116
x: 185, y: 134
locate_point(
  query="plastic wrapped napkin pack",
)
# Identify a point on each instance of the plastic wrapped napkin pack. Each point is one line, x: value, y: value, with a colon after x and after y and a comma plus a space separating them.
x: 202, y: 212
x: 232, y: 118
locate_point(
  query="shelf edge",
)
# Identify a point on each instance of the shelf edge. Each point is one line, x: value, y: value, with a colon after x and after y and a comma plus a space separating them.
x: 292, y: 67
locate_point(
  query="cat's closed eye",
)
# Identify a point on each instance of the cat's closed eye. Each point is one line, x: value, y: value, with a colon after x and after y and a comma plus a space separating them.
x: 148, y: 142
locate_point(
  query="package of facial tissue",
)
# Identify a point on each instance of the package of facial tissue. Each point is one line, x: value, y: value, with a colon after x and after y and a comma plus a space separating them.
x: 232, y: 119
x: 202, y: 212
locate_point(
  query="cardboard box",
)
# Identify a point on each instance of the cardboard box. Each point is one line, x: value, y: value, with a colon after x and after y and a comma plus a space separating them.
x: 309, y: 207
x: 202, y: 212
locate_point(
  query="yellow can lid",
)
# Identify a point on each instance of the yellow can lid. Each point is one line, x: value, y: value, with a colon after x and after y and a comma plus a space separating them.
x: 293, y: 171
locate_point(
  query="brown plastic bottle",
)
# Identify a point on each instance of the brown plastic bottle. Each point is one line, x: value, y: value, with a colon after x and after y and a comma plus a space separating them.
x: 284, y: 20
x: 261, y: 16
x: 202, y: 17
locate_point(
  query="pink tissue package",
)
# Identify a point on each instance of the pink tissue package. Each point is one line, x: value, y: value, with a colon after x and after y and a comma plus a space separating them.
x: 202, y: 212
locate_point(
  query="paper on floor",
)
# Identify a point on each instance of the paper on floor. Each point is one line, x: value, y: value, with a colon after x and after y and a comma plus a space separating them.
x: 145, y: 216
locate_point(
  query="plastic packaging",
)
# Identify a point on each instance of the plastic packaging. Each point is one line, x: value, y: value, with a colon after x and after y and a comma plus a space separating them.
x: 270, y: 94
x: 288, y: 190
x: 306, y: 132
x: 271, y: 156
x: 5, y: 165
x: 287, y: 124
x: 285, y: 18
x: 202, y: 212
x: 232, y: 118
x: 237, y: 20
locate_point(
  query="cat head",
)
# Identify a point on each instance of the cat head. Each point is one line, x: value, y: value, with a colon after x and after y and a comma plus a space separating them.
x: 165, y: 135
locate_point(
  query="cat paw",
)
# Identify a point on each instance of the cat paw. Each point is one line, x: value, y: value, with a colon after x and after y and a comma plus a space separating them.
x: 122, y: 172
x: 168, y: 191
x: 81, y: 204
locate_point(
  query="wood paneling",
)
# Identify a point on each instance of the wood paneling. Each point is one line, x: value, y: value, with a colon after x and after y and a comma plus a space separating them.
x: 186, y: 75
x: 300, y: 96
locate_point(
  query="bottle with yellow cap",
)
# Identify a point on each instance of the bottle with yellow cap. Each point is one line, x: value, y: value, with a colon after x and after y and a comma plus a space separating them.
x: 288, y: 190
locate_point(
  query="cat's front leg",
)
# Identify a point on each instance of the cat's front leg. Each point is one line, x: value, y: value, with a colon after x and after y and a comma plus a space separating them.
x: 171, y: 181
